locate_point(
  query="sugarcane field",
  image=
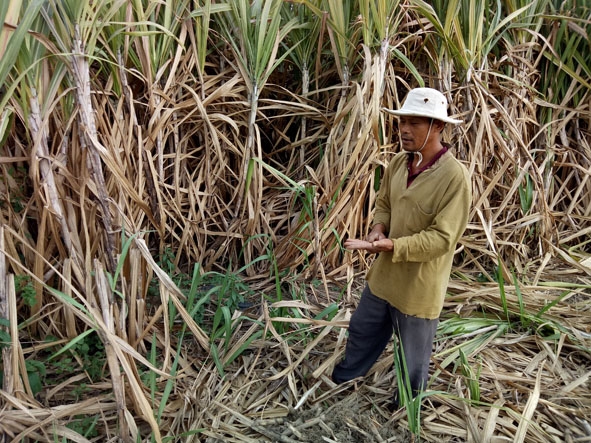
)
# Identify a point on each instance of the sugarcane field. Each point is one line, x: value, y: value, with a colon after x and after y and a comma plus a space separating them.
x: 182, y: 182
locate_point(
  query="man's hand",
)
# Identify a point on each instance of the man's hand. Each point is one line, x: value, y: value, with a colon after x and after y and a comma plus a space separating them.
x: 378, y: 232
x: 383, y: 245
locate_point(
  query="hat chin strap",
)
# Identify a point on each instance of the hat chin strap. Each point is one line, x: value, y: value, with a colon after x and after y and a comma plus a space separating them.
x: 424, y: 144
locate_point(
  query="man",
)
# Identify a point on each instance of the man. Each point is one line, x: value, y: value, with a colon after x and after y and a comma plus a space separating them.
x: 421, y: 211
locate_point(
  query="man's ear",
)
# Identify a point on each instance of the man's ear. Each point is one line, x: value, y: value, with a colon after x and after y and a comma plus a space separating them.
x: 439, y: 125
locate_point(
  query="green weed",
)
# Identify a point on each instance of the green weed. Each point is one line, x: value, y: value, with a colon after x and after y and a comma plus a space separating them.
x: 5, y: 339
x: 471, y: 377
x: 407, y: 398
x: 519, y: 319
x: 85, y: 425
x: 526, y: 192
x: 25, y: 289
x: 36, y: 373
x: 86, y: 351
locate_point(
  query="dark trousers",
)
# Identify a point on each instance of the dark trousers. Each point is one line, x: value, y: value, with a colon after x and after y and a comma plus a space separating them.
x: 370, y: 330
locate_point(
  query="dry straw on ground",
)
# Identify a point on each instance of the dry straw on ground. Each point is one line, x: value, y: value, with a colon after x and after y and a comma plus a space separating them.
x: 140, y: 139
x: 534, y: 386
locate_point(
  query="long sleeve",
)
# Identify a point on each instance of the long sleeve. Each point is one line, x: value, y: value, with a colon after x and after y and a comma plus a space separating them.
x: 425, y: 221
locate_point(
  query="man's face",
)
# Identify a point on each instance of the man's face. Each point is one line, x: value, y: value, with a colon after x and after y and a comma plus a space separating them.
x: 414, y: 131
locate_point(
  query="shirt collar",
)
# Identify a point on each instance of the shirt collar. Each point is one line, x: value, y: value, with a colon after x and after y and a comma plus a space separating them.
x: 411, y: 177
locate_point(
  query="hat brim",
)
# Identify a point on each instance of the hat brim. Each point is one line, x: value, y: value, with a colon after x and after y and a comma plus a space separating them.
x: 416, y: 114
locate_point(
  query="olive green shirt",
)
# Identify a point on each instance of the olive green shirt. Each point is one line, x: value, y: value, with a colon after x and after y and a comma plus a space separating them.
x: 424, y: 221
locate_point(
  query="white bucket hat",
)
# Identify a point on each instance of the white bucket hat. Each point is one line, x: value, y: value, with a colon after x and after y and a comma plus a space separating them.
x: 425, y: 102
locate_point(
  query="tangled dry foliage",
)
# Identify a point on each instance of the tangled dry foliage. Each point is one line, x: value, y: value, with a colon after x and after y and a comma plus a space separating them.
x: 137, y: 142
x: 533, y: 377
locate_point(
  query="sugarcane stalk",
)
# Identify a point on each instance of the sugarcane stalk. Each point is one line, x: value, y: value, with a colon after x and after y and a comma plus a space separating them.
x: 41, y: 158
x: 9, y: 25
x: 41, y: 162
x: 305, y: 91
x: 88, y: 133
x: 106, y: 306
x: 6, y: 351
